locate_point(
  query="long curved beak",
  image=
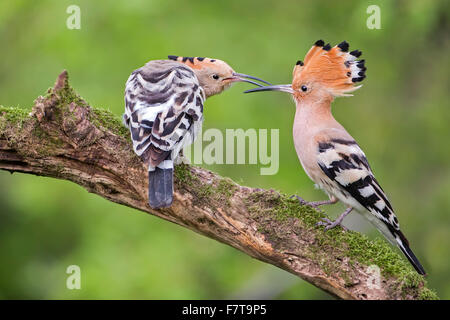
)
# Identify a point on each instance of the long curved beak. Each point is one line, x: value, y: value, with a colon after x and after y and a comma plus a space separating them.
x: 246, y: 76
x: 280, y: 87
x: 240, y: 77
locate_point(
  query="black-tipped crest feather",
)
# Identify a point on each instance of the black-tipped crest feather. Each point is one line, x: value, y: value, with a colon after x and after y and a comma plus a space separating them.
x: 319, y: 43
x: 343, y: 46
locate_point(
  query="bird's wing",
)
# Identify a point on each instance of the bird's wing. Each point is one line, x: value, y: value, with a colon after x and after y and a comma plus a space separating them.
x: 163, y: 99
x: 343, y: 161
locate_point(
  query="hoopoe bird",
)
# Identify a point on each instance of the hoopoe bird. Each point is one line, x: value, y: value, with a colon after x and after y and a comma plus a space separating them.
x: 164, y: 112
x: 328, y: 153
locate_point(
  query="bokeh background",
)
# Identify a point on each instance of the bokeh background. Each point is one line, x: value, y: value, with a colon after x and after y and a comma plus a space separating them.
x: 400, y: 117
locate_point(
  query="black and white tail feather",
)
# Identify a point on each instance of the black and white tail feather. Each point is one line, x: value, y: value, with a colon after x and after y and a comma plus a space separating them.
x: 164, y: 112
x: 353, y: 182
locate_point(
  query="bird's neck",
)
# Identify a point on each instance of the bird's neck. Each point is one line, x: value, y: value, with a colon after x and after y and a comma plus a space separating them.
x: 311, y: 115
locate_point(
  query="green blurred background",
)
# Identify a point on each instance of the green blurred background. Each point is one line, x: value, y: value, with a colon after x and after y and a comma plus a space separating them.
x: 400, y: 117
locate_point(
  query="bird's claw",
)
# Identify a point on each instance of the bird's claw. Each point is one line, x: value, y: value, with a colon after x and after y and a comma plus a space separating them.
x: 303, y: 202
x: 300, y: 199
x: 330, y: 224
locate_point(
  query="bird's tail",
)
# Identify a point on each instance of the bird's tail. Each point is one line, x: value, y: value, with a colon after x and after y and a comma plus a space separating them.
x: 396, y: 237
x: 160, y: 187
x: 403, y: 244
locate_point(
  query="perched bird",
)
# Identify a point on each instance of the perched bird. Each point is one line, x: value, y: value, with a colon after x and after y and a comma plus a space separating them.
x: 328, y: 153
x: 164, y: 112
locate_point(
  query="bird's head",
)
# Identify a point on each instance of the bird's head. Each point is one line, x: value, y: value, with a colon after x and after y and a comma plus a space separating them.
x: 214, y: 75
x: 326, y: 72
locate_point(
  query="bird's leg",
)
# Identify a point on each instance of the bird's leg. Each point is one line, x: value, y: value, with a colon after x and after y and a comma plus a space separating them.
x: 338, y: 222
x: 315, y: 204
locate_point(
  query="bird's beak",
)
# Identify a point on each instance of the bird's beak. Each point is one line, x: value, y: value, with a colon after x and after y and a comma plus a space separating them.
x: 240, y: 77
x: 281, y: 87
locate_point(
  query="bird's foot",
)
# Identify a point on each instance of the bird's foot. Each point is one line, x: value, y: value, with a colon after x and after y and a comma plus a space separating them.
x: 314, y: 204
x: 330, y: 224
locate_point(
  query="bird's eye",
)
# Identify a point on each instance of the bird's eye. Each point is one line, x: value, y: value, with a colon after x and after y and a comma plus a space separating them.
x: 304, y: 88
x: 215, y: 77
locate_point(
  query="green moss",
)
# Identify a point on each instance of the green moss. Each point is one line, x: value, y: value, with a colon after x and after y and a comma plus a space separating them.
x: 427, y: 294
x: 48, y: 143
x: 108, y: 120
x: 351, y: 244
x: 183, y: 175
x: 267, y: 205
x: 225, y: 189
x: 66, y: 95
x: 205, y: 191
x: 13, y: 116
x: 226, y: 186
x: 410, y: 283
x: 282, y: 207
x: 186, y: 180
x: 219, y: 191
x: 347, y: 280
x: 377, y: 252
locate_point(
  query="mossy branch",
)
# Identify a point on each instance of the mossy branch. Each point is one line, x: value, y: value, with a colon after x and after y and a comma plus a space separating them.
x: 65, y: 138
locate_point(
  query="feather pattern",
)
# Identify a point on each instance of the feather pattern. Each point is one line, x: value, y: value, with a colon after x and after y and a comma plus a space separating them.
x: 346, y: 165
x: 351, y: 180
x: 163, y: 110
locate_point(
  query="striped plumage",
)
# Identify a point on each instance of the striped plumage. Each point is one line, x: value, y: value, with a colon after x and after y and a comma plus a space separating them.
x: 164, y: 112
x: 328, y: 153
x: 349, y: 178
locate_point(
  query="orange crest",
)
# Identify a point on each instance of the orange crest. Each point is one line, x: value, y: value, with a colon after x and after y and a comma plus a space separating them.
x: 334, y: 68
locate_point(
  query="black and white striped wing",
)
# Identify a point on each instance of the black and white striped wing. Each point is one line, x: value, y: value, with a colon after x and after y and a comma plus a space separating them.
x: 163, y: 109
x: 346, y: 165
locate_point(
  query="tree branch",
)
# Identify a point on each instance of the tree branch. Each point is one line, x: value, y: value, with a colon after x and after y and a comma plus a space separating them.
x: 63, y: 137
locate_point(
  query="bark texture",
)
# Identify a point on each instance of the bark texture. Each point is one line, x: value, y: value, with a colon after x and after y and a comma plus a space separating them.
x: 65, y: 138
